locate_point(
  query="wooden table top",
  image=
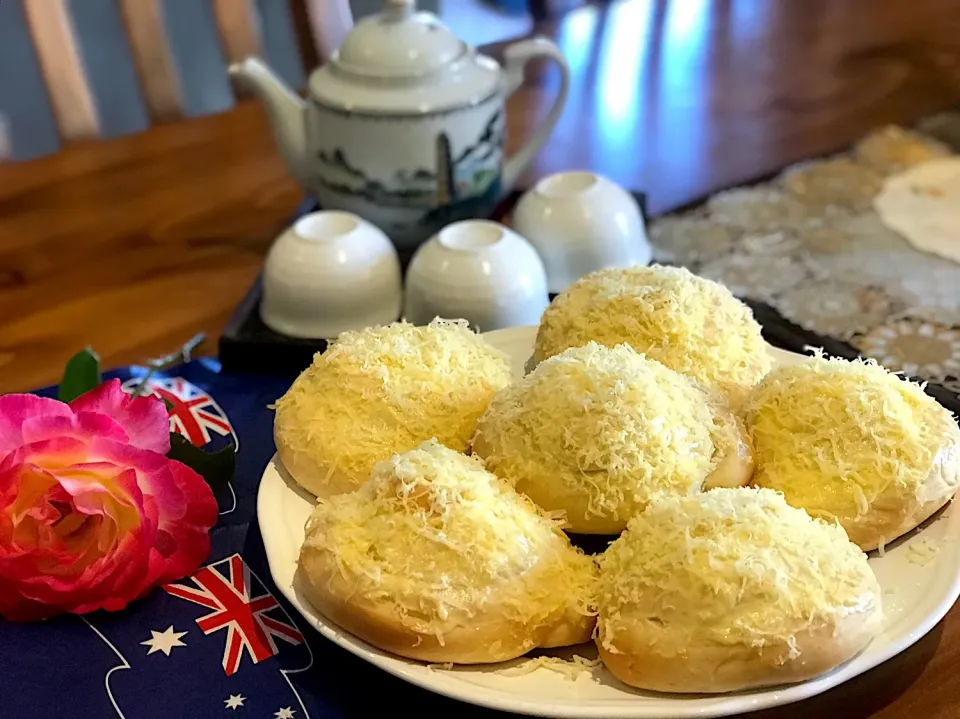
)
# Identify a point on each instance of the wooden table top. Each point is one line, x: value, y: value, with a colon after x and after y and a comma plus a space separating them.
x: 132, y: 246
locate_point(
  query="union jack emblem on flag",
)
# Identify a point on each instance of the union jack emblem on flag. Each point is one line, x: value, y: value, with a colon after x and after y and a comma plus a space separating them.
x: 249, y: 629
x: 193, y: 413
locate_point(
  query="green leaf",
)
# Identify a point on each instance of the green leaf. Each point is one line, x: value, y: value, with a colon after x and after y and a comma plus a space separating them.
x: 81, y: 375
x: 215, y: 467
x: 168, y: 404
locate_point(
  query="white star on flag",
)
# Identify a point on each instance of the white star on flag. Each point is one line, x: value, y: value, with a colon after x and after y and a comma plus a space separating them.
x: 285, y: 713
x: 234, y: 702
x: 164, y: 641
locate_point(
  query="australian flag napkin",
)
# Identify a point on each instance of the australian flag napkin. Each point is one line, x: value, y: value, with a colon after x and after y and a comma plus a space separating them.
x: 222, y: 643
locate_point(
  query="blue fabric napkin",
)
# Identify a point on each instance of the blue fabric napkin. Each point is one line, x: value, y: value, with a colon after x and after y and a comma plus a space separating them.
x: 223, y: 643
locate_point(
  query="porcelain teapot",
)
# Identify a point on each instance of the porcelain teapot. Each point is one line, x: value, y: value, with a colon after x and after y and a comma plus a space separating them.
x: 405, y: 125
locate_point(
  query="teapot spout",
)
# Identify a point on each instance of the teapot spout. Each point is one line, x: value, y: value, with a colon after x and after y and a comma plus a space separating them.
x: 285, y: 110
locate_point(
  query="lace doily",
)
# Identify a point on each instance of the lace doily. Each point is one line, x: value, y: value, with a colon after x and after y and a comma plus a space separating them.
x: 810, y: 244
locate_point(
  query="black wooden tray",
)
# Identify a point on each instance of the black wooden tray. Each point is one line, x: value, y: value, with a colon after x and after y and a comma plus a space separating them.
x: 248, y: 345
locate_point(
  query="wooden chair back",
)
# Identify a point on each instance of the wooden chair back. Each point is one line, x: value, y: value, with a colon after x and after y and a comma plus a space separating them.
x: 100, y: 68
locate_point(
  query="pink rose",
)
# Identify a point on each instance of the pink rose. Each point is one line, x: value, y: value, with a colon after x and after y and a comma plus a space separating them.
x: 92, y: 514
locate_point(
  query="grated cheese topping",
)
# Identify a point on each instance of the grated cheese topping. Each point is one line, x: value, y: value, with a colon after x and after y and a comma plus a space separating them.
x: 571, y: 669
x: 729, y: 566
x: 845, y: 439
x: 605, y: 424
x: 439, y: 539
x: 688, y: 323
x: 384, y: 390
x: 922, y: 552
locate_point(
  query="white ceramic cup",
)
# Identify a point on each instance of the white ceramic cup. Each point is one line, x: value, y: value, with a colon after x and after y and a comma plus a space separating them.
x: 479, y: 271
x: 580, y: 222
x: 327, y: 273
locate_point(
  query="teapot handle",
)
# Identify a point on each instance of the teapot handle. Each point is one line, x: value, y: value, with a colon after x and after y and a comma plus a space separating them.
x: 516, y: 58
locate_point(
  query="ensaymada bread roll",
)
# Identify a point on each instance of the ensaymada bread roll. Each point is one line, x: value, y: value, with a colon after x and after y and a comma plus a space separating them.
x: 690, y: 324
x: 381, y: 391
x: 732, y: 589
x: 852, y: 442
x: 436, y: 559
x: 595, y: 431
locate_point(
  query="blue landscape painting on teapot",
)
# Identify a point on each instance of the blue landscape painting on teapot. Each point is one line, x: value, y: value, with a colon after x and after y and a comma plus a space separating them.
x: 421, y: 174
x: 404, y: 126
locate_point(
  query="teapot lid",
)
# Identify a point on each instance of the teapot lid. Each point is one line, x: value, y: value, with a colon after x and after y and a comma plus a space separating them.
x: 398, y: 42
x: 404, y: 62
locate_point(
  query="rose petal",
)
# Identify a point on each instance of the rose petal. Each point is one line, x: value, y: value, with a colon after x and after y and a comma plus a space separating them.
x: 47, y: 453
x: 31, y: 486
x: 189, y: 534
x: 56, y: 572
x: 120, y: 454
x: 111, y: 582
x: 101, y: 488
x: 186, y: 507
x: 78, y: 577
x: 145, y: 419
x: 90, y: 520
x: 19, y: 609
x: 16, y: 408
x: 82, y: 425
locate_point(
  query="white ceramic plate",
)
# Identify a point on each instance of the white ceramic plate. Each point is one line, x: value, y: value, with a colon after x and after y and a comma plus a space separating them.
x: 916, y: 595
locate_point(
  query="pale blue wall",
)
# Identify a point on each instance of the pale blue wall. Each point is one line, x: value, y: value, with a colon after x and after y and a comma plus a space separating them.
x: 107, y: 57
x: 191, y: 29
x: 362, y: 8
x: 23, y: 99
x: 279, y: 42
